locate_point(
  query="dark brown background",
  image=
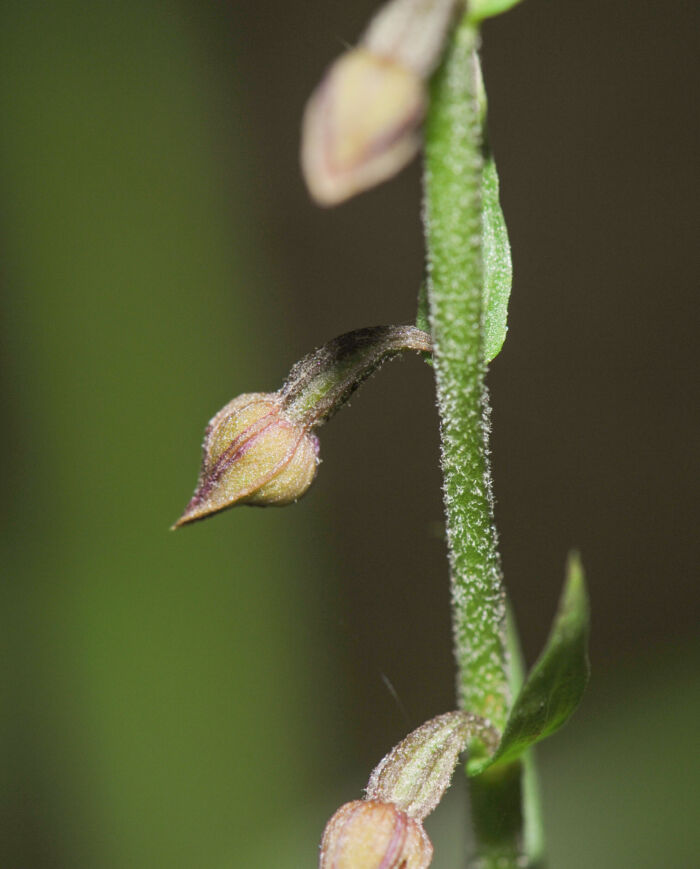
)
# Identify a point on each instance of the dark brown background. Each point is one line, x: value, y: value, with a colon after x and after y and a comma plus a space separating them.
x: 593, y: 122
x: 208, y: 698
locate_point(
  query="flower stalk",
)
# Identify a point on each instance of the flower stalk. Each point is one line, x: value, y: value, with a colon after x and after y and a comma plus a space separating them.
x: 322, y: 382
x: 411, y: 32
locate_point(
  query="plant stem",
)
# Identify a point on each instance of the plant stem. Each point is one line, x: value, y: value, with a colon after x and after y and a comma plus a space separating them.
x: 455, y: 280
x: 497, y: 816
x: 453, y: 222
x: 531, y: 812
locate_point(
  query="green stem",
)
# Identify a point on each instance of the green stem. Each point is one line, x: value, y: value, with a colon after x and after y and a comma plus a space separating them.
x: 531, y: 814
x: 453, y: 222
x: 455, y: 281
x: 497, y: 817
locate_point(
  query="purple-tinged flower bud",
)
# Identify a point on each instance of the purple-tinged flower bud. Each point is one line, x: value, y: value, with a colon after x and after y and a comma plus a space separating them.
x: 361, y: 125
x: 367, y: 834
x: 261, y: 448
x: 385, y: 830
x: 253, y: 454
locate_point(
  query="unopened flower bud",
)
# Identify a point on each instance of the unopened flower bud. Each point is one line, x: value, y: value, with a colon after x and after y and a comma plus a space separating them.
x: 253, y: 454
x: 367, y: 834
x: 261, y: 448
x: 385, y: 830
x: 360, y: 126
x: 362, y: 123
x: 416, y: 773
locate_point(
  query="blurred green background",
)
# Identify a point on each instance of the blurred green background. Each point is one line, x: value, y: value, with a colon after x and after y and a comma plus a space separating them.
x: 207, y: 698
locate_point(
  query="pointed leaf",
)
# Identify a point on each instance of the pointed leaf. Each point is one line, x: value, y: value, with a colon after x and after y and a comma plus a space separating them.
x: 498, y: 269
x: 555, y: 685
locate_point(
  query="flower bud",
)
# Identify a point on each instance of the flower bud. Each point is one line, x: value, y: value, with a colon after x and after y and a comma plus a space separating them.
x: 253, y: 454
x: 416, y: 772
x: 261, y: 448
x: 361, y: 125
x: 368, y: 834
x: 385, y: 830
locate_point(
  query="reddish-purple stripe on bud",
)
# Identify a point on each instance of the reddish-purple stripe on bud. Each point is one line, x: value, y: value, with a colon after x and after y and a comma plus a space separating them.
x: 253, y: 454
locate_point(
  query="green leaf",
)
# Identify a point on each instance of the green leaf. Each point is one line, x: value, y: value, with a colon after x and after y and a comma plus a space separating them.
x: 498, y: 269
x: 556, y: 683
x: 480, y: 9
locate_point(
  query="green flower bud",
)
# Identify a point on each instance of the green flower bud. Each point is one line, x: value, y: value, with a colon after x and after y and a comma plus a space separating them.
x: 367, y: 834
x: 253, y: 454
x: 417, y: 772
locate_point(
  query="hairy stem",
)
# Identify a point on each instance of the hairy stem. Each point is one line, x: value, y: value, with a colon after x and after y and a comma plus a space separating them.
x: 455, y: 281
x: 453, y: 223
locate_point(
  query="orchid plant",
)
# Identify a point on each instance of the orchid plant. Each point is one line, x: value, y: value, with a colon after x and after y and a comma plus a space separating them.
x: 413, y: 81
